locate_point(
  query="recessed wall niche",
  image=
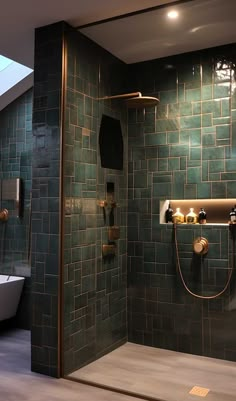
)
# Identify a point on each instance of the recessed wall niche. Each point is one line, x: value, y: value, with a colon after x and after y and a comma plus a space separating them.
x: 217, y: 209
x: 111, y: 143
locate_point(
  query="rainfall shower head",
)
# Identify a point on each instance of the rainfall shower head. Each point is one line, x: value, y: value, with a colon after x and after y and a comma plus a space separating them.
x: 139, y: 102
x: 135, y: 100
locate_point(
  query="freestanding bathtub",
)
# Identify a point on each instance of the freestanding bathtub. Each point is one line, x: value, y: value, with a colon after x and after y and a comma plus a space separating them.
x: 10, y: 292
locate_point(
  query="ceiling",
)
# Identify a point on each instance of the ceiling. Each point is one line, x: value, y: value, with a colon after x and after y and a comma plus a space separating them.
x: 202, y: 23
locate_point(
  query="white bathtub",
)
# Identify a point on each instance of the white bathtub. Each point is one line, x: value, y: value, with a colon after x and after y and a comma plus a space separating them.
x: 10, y: 292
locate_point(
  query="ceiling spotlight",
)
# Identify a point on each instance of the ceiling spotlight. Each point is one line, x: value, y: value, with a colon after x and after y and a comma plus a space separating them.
x: 173, y: 14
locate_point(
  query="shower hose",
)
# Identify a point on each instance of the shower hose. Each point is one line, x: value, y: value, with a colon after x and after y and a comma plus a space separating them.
x: 182, y: 277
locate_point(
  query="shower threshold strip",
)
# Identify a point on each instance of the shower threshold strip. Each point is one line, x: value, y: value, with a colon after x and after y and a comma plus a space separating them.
x: 114, y: 389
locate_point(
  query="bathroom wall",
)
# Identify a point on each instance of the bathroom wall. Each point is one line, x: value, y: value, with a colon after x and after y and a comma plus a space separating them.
x: 69, y: 274
x: 46, y: 205
x: 94, y: 288
x: 15, y: 161
x: 185, y: 149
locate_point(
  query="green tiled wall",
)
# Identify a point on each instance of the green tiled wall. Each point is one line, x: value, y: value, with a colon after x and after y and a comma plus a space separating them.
x: 16, y: 162
x: 186, y: 150
x: 94, y: 289
x: 16, y: 154
x: 46, y: 203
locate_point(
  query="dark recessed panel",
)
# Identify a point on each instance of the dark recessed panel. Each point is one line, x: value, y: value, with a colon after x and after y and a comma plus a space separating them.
x: 111, y: 143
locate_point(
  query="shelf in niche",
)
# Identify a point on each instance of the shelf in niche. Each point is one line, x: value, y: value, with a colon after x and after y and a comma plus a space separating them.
x: 217, y: 209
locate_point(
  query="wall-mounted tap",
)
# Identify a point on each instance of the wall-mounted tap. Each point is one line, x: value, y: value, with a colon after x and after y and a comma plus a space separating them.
x: 4, y: 215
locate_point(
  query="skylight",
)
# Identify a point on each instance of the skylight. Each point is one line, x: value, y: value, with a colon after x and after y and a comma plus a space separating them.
x: 11, y: 73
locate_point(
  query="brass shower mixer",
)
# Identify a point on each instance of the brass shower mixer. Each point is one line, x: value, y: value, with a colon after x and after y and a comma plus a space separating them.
x: 200, y: 246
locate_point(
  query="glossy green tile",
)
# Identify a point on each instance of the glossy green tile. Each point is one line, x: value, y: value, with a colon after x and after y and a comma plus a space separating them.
x: 193, y: 175
x: 190, y: 191
x: 163, y: 151
x: 204, y: 190
x: 228, y: 176
x: 173, y: 137
x: 162, y: 177
x: 221, y: 90
x: 195, y: 137
x: 192, y: 95
x: 167, y: 125
x: 208, y: 140
x: 185, y: 109
x: 213, y: 153
x: 212, y: 106
x: 209, y: 130
x: 184, y: 137
x: 230, y: 165
x: 197, y: 108
x: 218, y: 190
x: 181, y: 93
x: 223, y: 132
x: 207, y: 120
x: 168, y: 97
x: 216, y: 166
x: 179, y: 150
x: 162, y: 110
x: 153, y: 165
x: 231, y: 189
x: 173, y: 110
x: 225, y: 107
x: 183, y: 163
x: 205, y: 173
x: 162, y: 190
x: 233, y: 114
x: 178, y: 184
x: 163, y: 164
x: 174, y: 163
x: 234, y: 139
x: 190, y: 122
x: 159, y: 138
x: 207, y: 92
x: 195, y: 153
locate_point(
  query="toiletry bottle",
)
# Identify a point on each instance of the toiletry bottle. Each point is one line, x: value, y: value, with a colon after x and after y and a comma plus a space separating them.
x: 191, y: 217
x: 168, y: 214
x: 178, y: 217
x: 232, y: 215
x: 202, y: 216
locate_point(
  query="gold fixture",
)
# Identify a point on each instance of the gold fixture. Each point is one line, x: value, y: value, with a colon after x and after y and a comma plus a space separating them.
x: 108, y: 250
x: 4, y: 215
x: 134, y: 100
x: 113, y: 233
x: 102, y: 203
x: 199, y: 391
x: 200, y: 246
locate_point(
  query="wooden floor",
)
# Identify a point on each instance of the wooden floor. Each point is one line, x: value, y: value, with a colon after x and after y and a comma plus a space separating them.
x: 18, y: 383
x: 161, y: 374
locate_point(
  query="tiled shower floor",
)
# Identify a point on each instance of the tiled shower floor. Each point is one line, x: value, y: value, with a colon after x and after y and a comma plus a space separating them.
x: 161, y: 374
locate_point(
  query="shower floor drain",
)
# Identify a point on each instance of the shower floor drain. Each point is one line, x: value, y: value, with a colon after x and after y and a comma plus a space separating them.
x: 199, y: 391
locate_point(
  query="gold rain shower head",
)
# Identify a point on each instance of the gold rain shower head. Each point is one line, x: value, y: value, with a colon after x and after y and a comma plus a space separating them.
x: 134, y: 100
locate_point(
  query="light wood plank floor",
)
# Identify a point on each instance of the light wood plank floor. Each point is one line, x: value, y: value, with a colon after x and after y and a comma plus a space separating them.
x: 18, y: 383
x: 161, y: 374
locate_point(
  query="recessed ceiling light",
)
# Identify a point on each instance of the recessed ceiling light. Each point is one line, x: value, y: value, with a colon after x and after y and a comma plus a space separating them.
x: 173, y: 14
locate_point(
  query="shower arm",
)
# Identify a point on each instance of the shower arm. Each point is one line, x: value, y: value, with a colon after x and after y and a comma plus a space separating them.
x: 122, y: 96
